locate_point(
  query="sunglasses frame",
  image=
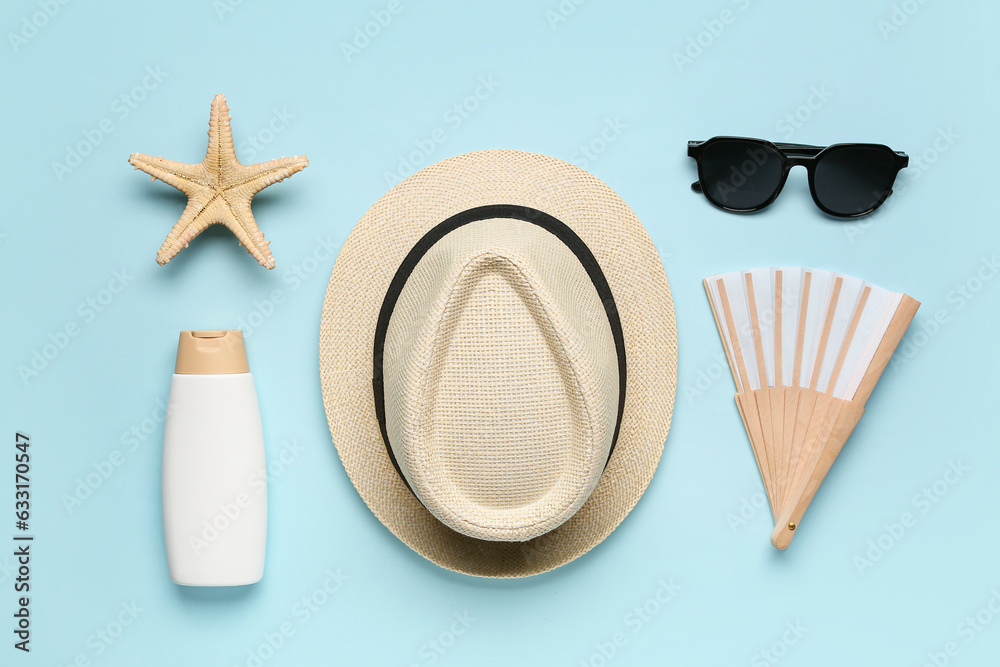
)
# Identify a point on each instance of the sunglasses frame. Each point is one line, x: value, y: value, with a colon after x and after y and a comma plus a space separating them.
x: 793, y: 155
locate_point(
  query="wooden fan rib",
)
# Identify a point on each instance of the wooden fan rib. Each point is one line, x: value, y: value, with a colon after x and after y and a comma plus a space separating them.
x: 848, y: 339
x: 825, y: 336
x: 763, y: 397
x: 777, y: 402
x: 821, y: 422
x: 778, y: 395
x: 747, y: 401
x: 800, y: 338
x: 778, y: 287
x: 750, y: 411
x: 731, y: 327
x: 758, y: 339
x: 792, y: 396
x: 804, y: 407
x: 722, y: 336
x: 905, y: 311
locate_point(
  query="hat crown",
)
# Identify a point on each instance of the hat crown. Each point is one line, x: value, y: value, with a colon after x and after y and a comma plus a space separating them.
x: 501, y: 381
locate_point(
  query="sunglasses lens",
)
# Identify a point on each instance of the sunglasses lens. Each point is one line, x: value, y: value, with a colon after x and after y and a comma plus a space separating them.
x: 854, y: 180
x: 740, y: 175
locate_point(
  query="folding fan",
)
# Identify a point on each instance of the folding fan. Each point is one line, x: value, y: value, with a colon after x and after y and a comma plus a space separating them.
x: 805, y: 348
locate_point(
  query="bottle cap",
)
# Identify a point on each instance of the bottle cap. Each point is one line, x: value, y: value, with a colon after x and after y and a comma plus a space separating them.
x: 211, y: 353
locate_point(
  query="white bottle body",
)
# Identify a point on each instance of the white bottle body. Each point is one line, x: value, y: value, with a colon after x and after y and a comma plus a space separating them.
x: 214, y: 481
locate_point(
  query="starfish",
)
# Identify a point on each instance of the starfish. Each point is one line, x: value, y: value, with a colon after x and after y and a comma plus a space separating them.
x: 219, y: 189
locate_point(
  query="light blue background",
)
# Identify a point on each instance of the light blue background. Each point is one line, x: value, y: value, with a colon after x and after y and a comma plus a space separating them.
x: 559, y: 84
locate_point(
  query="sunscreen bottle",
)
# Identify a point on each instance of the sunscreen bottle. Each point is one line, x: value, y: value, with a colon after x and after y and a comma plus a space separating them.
x: 214, y: 520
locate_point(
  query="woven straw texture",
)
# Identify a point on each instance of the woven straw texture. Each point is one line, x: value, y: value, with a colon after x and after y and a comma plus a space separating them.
x: 501, y: 381
x: 361, y: 276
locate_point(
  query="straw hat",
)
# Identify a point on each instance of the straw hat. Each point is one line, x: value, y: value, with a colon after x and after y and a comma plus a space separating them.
x: 498, y: 356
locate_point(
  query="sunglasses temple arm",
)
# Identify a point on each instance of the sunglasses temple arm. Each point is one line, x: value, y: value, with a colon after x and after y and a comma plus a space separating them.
x: 696, y: 186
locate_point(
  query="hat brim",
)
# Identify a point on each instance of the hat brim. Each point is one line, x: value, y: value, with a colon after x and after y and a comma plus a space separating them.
x: 361, y: 276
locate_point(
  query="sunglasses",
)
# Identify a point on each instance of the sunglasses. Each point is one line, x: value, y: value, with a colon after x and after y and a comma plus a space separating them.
x: 744, y: 175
